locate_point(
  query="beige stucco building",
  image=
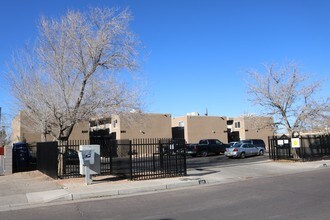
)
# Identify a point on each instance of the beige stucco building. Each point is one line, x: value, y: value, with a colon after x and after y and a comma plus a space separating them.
x: 194, y: 128
x: 250, y: 127
x: 23, y: 131
x: 137, y: 125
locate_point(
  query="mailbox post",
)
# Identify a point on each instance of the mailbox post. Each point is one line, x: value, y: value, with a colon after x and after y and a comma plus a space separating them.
x: 86, y: 158
x: 90, y: 163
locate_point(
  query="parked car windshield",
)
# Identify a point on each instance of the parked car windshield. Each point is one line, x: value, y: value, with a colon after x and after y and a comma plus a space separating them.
x: 218, y: 142
x: 212, y: 142
x: 237, y: 145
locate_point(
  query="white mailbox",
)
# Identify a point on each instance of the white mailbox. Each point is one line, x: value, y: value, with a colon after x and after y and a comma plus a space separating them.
x: 90, y: 156
x: 86, y: 157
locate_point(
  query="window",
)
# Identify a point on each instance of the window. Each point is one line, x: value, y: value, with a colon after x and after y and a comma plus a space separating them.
x: 237, y: 124
x: 115, y: 123
x: 181, y: 124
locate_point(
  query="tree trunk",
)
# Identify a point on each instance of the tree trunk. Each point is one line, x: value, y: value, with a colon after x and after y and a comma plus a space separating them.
x: 61, y: 156
x: 43, y: 137
x: 295, y: 154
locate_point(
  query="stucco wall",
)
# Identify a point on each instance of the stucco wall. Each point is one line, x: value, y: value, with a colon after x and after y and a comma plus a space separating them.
x: 203, y: 127
x: 23, y: 131
x: 142, y: 126
x: 254, y: 127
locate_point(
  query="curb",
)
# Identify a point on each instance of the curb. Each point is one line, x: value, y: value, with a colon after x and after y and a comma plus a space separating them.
x: 130, y: 191
x: 47, y: 196
x: 11, y: 198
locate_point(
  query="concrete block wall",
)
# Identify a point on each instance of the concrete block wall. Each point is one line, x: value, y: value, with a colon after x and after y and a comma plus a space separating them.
x: 8, y: 160
x: 2, y: 164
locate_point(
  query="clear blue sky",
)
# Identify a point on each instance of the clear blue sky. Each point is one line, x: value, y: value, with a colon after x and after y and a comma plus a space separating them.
x: 199, y: 50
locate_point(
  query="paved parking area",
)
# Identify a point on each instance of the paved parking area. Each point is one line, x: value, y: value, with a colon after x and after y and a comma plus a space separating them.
x: 222, y: 160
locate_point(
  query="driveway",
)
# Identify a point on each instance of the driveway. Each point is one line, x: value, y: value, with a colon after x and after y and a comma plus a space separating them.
x: 218, y: 160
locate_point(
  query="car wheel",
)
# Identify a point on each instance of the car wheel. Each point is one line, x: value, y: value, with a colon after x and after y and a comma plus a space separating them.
x: 242, y: 155
x: 204, y: 153
x: 261, y: 152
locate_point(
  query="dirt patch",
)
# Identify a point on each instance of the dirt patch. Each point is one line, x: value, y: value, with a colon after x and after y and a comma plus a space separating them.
x: 32, y: 174
x: 26, y: 182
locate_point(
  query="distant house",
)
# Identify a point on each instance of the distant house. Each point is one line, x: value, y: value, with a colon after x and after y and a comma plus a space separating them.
x: 194, y: 127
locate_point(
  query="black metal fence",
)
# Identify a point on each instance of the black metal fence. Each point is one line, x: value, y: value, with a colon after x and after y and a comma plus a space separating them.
x: 157, y: 158
x: 47, y: 158
x: 68, y: 160
x: 136, y: 159
x: 311, y: 148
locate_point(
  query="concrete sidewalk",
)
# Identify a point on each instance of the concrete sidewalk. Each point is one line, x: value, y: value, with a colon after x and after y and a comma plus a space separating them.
x: 23, y: 190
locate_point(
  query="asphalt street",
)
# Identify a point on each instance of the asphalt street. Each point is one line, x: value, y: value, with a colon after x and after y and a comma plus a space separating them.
x: 295, y: 196
x: 215, y: 160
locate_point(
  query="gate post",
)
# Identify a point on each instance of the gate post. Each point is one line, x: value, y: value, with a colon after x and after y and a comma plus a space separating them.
x: 161, y: 154
x: 184, y: 159
x: 130, y: 160
x: 111, y: 144
x: 269, y: 147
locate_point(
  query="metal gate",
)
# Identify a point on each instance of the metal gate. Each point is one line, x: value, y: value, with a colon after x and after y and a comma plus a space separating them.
x: 280, y: 148
x: 157, y: 158
x: 312, y: 147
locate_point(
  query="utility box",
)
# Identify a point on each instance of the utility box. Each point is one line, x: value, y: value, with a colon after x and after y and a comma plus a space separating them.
x: 89, y: 155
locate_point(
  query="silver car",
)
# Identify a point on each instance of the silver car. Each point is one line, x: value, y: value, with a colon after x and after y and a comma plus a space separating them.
x: 242, y: 150
x: 232, y: 143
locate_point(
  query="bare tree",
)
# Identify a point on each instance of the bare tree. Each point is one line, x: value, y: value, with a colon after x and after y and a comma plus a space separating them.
x: 289, y: 96
x: 4, y: 135
x: 259, y: 123
x: 71, y: 73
